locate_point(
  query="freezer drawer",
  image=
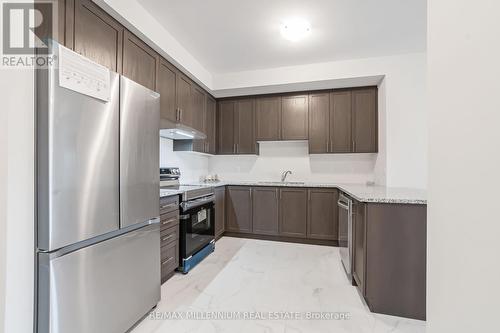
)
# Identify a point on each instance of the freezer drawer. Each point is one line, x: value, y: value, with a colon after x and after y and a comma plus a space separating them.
x: 139, y: 157
x: 106, y: 287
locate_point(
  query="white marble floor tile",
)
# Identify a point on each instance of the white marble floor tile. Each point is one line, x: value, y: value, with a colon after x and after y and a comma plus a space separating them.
x: 264, y: 276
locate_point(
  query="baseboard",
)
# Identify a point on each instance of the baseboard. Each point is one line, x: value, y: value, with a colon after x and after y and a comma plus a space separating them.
x: 281, y: 239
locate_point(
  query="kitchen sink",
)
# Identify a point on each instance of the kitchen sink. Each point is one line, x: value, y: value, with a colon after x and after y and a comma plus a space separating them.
x: 281, y: 183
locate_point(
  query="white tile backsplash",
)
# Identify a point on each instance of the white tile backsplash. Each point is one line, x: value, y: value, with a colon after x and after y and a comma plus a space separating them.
x: 193, y: 166
x: 273, y: 159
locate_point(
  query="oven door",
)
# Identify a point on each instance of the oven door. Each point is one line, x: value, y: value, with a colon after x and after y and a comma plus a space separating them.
x: 196, y: 226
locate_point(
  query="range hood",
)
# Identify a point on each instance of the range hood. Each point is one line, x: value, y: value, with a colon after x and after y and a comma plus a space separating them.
x: 177, y: 131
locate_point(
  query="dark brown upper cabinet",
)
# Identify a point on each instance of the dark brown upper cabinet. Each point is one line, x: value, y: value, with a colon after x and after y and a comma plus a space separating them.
x: 340, y: 122
x: 293, y: 212
x: 183, y: 96
x: 198, y: 107
x: 245, y: 135
x: 294, y: 117
x: 322, y: 219
x: 225, y: 121
x: 343, y: 121
x: 364, y: 120
x: 239, y: 209
x: 265, y: 208
x: 319, y: 123
x: 166, y: 86
x: 268, y: 118
x: 236, y: 127
x: 140, y: 62
x: 94, y: 34
x: 210, y: 126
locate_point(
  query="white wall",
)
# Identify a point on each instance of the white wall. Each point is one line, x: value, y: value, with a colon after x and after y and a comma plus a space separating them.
x: 275, y: 157
x: 403, y: 158
x: 193, y: 166
x: 138, y: 20
x: 464, y: 159
x: 16, y: 200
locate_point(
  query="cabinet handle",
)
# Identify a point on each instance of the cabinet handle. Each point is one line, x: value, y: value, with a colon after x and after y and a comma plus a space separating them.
x: 169, y: 205
x: 237, y: 148
x: 167, y: 261
x: 353, y: 146
x: 164, y: 239
x: 180, y: 114
x: 169, y: 221
x: 331, y: 146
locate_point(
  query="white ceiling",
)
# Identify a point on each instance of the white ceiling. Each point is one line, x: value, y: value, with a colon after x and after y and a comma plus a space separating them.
x: 236, y: 35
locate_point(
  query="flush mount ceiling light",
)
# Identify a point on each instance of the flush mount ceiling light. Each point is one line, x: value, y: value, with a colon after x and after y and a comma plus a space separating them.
x: 295, y: 29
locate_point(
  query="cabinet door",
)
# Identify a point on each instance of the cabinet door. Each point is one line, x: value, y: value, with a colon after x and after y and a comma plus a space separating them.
x: 268, y: 118
x: 322, y: 220
x: 265, y: 210
x: 166, y: 88
x: 198, y: 105
x: 239, y: 209
x: 225, y: 121
x: 340, y: 122
x: 183, y: 95
x: 294, y: 117
x: 210, y: 121
x: 319, y: 118
x: 365, y: 122
x: 359, y: 245
x: 96, y: 35
x: 245, y: 135
x: 293, y: 212
x: 140, y: 62
x: 220, y: 198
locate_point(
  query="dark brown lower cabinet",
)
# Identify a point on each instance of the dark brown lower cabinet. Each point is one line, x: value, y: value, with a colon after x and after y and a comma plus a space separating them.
x: 322, y: 214
x: 359, y: 245
x: 293, y: 212
x: 265, y: 210
x: 169, y: 236
x: 390, y: 258
x: 220, y: 198
x: 239, y: 209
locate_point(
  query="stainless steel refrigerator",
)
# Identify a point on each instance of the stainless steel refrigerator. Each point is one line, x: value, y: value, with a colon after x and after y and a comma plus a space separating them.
x: 98, y: 238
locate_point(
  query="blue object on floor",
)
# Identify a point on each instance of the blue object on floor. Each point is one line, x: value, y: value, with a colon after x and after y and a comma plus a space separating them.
x: 192, y: 261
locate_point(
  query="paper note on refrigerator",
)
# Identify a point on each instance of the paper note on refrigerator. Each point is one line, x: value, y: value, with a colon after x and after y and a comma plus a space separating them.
x: 83, y: 75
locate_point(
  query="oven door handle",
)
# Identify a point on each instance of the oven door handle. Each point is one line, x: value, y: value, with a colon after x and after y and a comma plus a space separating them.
x: 187, y: 205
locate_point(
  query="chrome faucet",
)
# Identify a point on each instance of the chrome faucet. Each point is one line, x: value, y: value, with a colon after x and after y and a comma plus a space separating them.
x: 284, y: 174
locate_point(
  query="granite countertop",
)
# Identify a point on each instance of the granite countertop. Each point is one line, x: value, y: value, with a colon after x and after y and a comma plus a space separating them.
x: 360, y: 192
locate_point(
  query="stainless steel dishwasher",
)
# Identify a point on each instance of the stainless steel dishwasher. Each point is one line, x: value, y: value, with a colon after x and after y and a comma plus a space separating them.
x: 345, y: 232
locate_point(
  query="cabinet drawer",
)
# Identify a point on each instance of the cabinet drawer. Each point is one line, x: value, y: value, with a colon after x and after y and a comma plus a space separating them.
x: 169, y: 258
x: 169, y: 204
x: 169, y: 235
x: 169, y: 220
